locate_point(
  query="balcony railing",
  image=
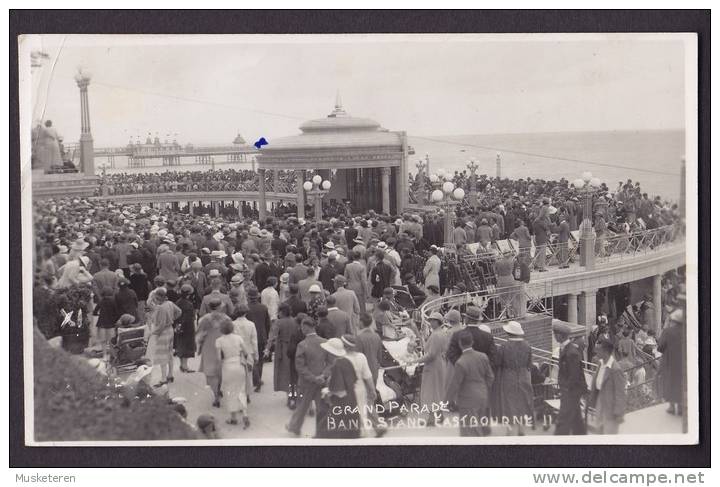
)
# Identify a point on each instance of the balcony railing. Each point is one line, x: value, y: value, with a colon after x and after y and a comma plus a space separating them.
x: 632, y: 244
x: 497, y: 304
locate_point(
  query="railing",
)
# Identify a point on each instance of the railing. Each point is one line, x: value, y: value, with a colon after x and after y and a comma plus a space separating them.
x: 499, y: 304
x: 629, y: 245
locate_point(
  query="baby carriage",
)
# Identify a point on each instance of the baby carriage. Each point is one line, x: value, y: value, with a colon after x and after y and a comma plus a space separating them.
x: 126, y: 349
x: 404, y: 380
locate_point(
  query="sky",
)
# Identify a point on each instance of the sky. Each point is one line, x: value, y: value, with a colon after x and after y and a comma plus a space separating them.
x: 206, y: 89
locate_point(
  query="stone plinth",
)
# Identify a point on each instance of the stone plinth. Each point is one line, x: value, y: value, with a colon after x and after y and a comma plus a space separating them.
x: 63, y: 185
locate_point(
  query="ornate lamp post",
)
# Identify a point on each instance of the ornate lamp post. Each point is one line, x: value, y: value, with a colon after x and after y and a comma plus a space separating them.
x: 498, y: 165
x: 586, y: 186
x: 317, y: 189
x: 445, y: 196
x: 420, y: 195
x: 87, y: 154
x: 473, y: 167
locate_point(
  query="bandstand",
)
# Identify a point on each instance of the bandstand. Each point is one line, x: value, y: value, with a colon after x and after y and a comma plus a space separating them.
x: 366, y: 163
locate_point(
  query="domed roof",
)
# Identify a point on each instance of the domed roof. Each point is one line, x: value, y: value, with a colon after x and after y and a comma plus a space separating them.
x: 339, y: 120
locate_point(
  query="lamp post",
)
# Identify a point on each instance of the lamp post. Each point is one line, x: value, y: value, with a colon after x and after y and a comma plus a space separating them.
x: 586, y: 186
x: 317, y: 189
x: 445, y: 196
x: 473, y: 167
x: 498, y: 165
x: 420, y: 181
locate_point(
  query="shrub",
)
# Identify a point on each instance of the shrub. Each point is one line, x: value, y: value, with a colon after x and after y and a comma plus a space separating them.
x: 74, y: 402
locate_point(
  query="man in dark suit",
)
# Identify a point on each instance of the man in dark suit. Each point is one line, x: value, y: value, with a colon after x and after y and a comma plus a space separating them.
x: 571, y: 381
x: 296, y: 304
x: 258, y: 314
x: 339, y: 318
x: 311, y: 362
x: 369, y: 344
x: 470, y: 386
x: 483, y: 340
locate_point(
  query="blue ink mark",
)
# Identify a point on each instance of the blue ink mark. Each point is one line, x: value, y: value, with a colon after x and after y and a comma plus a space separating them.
x: 261, y: 142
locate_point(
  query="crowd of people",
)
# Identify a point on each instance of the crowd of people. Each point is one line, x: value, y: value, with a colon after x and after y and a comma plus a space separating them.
x: 173, y: 181
x: 314, y: 298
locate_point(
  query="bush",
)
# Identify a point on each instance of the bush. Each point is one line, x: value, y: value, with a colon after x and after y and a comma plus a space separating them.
x: 74, y: 402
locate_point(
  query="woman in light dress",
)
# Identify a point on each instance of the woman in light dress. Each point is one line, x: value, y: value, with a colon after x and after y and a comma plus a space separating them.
x: 357, y: 278
x: 364, y: 387
x: 162, y: 334
x: 231, y: 352
x: 431, y: 271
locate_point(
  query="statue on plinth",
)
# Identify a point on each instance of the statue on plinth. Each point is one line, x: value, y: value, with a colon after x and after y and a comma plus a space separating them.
x: 45, y: 147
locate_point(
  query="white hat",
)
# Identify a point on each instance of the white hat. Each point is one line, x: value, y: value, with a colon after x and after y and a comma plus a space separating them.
x: 484, y: 328
x: 238, y: 257
x: 219, y: 236
x: 330, y: 245
x: 162, y: 233
x: 218, y: 254
x: 332, y: 254
x: 285, y: 277
x: 513, y: 328
x: 334, y: 346
x: 315, y: 289
x: 214, y: 273
x: 382, y: 245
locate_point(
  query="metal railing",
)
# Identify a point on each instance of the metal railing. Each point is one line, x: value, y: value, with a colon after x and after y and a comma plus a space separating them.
x: 496, y: 304
x: 631, y: 244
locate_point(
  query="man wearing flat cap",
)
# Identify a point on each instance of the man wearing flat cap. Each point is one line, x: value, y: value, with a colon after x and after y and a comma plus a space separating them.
x: 571, y: 381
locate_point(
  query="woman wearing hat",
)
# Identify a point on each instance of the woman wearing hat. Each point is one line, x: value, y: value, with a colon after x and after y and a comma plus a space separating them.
x: 207, y: 333
x: 435, y: 373
x: 232, y: 354
x: 512, y: 389
x: 431, y: 271
x: 343, y: 419
x: 364, y: 386
x: 185, y: 328
x: 160, y: 347
x: 671, y: 377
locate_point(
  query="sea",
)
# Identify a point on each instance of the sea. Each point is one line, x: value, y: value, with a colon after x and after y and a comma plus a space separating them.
x: 652, y: 157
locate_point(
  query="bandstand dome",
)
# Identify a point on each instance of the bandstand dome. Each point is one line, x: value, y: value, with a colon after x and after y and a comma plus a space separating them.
x: 357, y: 153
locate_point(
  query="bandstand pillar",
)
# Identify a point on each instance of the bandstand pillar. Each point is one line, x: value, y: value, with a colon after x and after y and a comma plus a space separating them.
x: 657, y: 301
x: 588, y: 312
x: 262, y: 210
x: 190, y: 207
x: 299, y: 180
x: 386, y: 190
x: 572, y: 304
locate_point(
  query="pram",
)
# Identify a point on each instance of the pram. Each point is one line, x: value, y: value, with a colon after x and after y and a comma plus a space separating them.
x: 403, y: 380
x: 126, y: 349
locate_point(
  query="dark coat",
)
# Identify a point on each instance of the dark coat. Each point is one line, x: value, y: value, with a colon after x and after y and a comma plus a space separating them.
x: 482, y: 342
x: 296, y: 304
x: 471, y: 381
x: 310, y: 360
x: 126, y: 302
x: 258, y: 314
x: 185, y: 330
x: 571, y: 376
x: 672, y: 345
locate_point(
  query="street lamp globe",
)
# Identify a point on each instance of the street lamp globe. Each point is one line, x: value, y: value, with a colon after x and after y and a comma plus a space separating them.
x: 436, y: 196
x: 326, y: 185
x: 459, y: 193
x: 595, y: 182
x: 434, y: 178
x: 307, y: 185
x: 587, y: 176
x: 441, y: 173
x: 448, y: 187
x: 579, y: 183
x: 317, y: 179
